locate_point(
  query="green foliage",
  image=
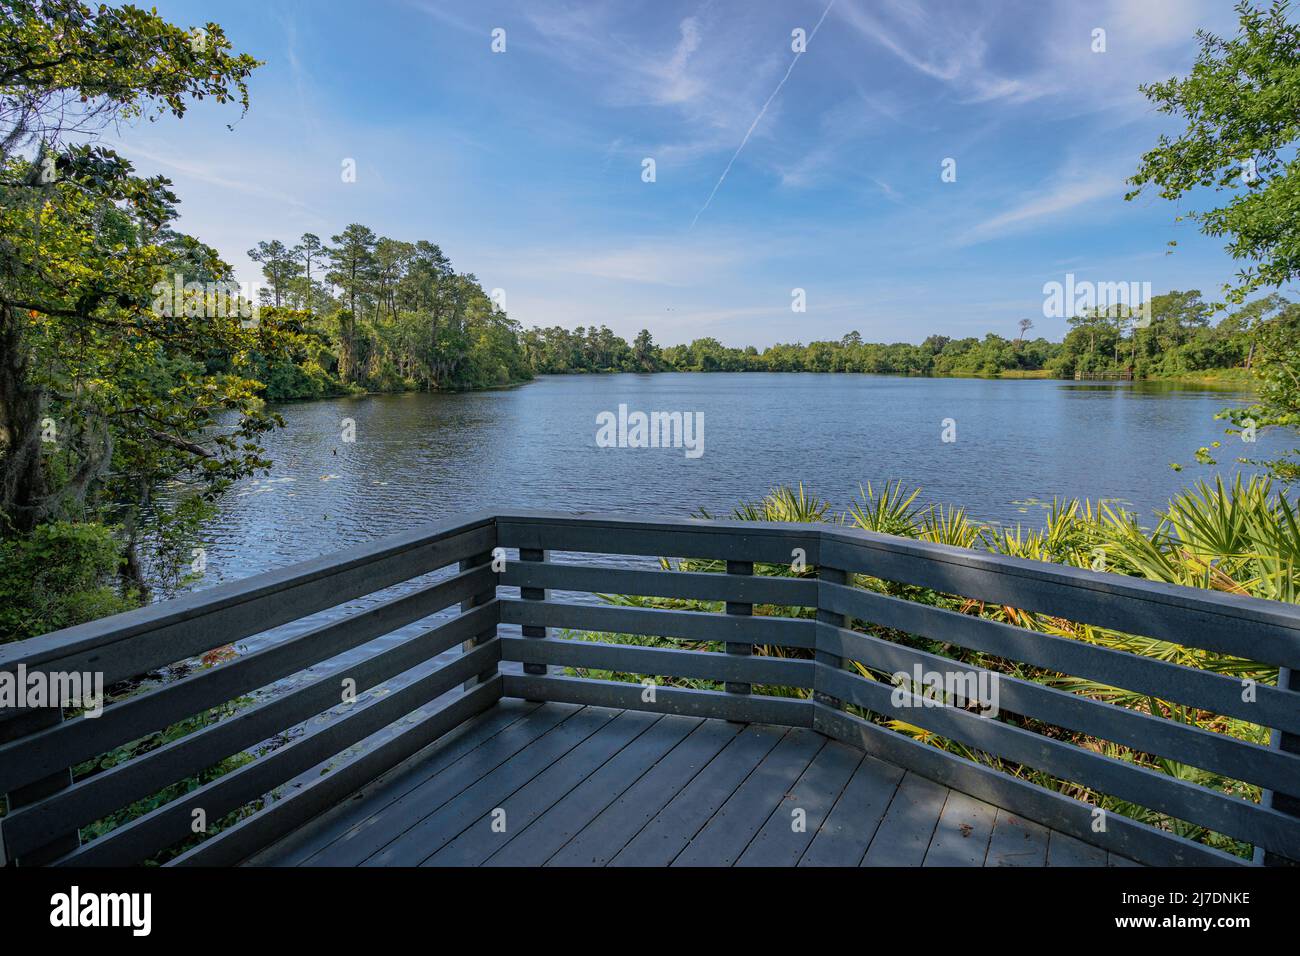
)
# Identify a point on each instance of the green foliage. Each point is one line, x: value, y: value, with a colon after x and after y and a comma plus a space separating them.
x: 65, y: 62
x: 783, y: 505
x: 107, y: 395
x: 60, y: 575
x: 889, y: 511
x: 556, y: 350
x: 1178, y: 340
x: 1241, y: 103
x: 937, y: 355
x: 1174, y: 338
x: 403, y: 319
x: 151, y: 742
x: 1278, y: 397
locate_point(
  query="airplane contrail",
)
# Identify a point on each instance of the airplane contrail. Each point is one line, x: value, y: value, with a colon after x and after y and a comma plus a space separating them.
x: 757, y: 118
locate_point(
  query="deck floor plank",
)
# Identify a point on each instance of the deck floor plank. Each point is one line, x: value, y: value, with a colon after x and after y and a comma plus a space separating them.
x: 541, y: 839
x: 598, y: 842
x: 905, y: 832
x: 727, y: 834
x: 300, y: 845
x: 844, y: 836
x: 962, y: 836
x: 595, y: 786
x: 779, y: 842
x: 429, y: 829
x: 1017, y: 842
x: 1065, y: 850
x: 480, y: 840
x: 667, y: 834
x: 388, y: 821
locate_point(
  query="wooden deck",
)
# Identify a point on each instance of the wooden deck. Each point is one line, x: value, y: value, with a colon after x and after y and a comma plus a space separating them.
x: 420, y: 770
x: 567, y: 785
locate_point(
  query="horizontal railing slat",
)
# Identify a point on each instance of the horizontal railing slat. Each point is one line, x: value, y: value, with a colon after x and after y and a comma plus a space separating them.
x: 69, y: 743
x: 170, y: 823
x: 237, y: 843
x: 136, y: 642
x: 1251, y: 628
x: 1186, y: 743
x: 692, y: 585
x: 692, y: 625
x: 99, y: 795
x: 749, y: 708
x: 1207, y: 690
x: 717, y: 540
x: 658, y: 661
x: 1178, y: 798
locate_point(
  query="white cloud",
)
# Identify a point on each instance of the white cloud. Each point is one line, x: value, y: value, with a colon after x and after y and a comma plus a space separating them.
x: 679, y: 84
x: 667, y: 262
x: 944, y: 46
x: 952, y: 44
x: 1068, y: 194
x: 222, y: 175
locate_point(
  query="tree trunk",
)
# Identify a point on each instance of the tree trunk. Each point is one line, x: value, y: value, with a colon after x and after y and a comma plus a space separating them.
x: 22, y: 475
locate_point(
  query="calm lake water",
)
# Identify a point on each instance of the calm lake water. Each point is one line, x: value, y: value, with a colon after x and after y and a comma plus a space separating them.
x: 418, y: 458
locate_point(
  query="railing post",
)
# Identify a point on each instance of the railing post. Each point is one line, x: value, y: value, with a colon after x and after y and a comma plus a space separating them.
x: 740, y: 609
x: 14, y: 728
x: 473, y: 601
x: 830, y: 576
x: 533, y: 594
x: 1288, y: 803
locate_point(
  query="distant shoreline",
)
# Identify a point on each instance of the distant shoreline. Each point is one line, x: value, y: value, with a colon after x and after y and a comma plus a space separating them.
x: 1218, y: 379
x: 1235, y: 378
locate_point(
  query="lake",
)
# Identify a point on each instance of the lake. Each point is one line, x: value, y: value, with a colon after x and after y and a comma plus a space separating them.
x: 418, y: 458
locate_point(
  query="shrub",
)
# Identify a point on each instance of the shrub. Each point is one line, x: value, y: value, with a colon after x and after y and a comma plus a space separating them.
x: 60, y: 575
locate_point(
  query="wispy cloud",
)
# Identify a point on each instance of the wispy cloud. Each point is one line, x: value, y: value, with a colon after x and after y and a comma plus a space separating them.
x: 663, y: 262
x: 944, y: 45
x: 212, y: 173
x: 1051, y: 202
x: 974, y: 50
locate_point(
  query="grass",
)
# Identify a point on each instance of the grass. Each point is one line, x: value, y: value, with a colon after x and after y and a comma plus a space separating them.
x: 1226, y: 378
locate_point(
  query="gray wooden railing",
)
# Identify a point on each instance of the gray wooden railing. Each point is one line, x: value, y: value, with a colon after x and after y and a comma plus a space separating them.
x: 47, y: 806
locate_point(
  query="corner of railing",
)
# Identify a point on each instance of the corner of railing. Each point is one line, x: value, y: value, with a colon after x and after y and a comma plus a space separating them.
x: 1288, y: 803
x: 490, y: 556
x: 534, y: 631
x: 739, y: 609
x: 531, y: 552
x: 828, y: 574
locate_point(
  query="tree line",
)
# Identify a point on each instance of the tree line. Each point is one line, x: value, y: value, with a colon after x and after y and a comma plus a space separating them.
x: 1178, y: 338
x: 379, y: 314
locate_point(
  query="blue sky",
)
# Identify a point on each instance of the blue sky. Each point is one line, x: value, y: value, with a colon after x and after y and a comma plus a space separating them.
x: 526, y: 166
